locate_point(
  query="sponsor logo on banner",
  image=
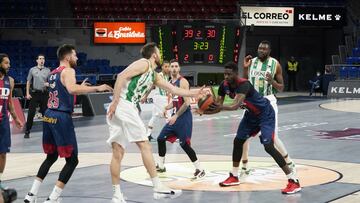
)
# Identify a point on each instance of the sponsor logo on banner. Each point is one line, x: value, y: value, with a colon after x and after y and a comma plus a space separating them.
x: 268, y: 16
x: 119, y: 32
x: 344, y: 89
x: 320, y: 16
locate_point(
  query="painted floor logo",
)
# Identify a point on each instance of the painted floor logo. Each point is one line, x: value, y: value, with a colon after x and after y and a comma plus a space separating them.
x: 264, y: 176
x: 346, y: 134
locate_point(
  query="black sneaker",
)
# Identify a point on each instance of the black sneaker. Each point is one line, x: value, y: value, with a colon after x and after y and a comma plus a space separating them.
x: 9, y: 195
x: 198, y: 174
x: 160, y: 170
x: 27, y: 134
x: 151, y: 139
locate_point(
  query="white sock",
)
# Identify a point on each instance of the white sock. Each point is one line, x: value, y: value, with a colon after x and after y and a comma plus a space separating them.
x: 292, y: 176
x: 35, y: 187
x: 149, y: 131
x: 197, y: 165
x: 116, y: 190
x: 156, y: 182
x: 1, y: 176
x: 244, y: 165
x: 55, y: 194
x: 288, y: 159
x: 235, y: 171
x: 161, y: 162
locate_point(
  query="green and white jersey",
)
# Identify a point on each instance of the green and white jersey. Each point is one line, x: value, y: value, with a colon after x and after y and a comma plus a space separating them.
x: 257, y: 72
x: 159, y: 91
x: 138, y: 85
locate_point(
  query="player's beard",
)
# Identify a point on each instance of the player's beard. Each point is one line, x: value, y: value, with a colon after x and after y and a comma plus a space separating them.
x: 3, y: 71
x: 157, y: 62
x: 262, y: 55
x: 72, y: 63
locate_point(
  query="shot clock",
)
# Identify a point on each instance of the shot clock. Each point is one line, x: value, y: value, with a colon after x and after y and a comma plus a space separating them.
x: 198, y: 43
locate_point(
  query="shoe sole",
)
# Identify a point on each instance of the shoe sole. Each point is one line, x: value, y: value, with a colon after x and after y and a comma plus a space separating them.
x: 198, y: 177
x: 172, y: 195
x: 228, y: 184
x: 292, y: 192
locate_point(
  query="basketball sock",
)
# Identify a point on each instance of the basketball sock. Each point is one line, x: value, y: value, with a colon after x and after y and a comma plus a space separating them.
x: 161, y: 162
x: 55, y: 194
x: 197, y: 165
x: 235, y: 171
x: 244, y: 164
x: 156, y: 182
x: 287, y: 159
x: 35, y: 187
x: 117, y: 190
x: 1, y: 176
x: 149, y: 130
x: 292, y: 176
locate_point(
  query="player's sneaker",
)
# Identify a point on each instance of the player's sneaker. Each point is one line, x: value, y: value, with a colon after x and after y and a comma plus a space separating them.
x: 30, y: 198
x: 230, y: 181
x: 199, y: 174
x: 292, y: 187
x: 116, y: 199
x: 165, y: 192
x: 9, y: 195
x: 151, y: 139
x: 48, y: 200
x: 160, y: 170
x: 244, y: 173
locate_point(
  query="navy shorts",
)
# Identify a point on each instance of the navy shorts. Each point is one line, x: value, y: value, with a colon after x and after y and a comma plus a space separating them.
x: 250, y: 125
x: 5, y: 139
x: 181, y: 129
x: 59, y: 134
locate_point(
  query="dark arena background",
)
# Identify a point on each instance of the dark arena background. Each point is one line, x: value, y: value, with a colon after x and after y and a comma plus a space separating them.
x: 318, y: 110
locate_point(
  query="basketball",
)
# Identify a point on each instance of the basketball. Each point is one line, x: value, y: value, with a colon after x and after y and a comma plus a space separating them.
x: 205, y: 102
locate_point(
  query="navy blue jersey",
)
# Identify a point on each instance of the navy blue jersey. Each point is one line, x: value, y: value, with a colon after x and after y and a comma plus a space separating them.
x: 177, y: 100
x: 59, y: 98
x: 254, y: 102
x: 4, y: 97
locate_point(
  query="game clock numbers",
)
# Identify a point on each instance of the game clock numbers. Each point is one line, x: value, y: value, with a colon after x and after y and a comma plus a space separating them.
x: 195, y: 43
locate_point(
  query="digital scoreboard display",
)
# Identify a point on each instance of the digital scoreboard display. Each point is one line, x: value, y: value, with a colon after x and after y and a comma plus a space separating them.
x: 195, y: 43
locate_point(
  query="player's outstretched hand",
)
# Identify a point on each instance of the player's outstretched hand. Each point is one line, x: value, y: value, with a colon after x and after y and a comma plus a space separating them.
x: 247, y: 61
x: 103, y: 88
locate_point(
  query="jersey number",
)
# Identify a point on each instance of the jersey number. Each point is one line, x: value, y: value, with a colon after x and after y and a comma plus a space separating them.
x: 53, y: 101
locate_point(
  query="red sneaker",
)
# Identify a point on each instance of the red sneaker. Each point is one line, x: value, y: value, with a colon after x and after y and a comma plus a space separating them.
x: 230, y: 181
x: 292, y: 187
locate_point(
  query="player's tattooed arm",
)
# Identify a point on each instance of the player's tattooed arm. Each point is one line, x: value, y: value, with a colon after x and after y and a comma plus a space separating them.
x: 160, y: 82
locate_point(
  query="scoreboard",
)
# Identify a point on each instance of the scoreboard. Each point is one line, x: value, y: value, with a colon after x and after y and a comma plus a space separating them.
x: 198, y: 43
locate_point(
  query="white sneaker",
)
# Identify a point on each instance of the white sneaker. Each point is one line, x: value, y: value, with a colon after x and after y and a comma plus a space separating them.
x: 116, y: 199
x: 48, y: 200
x: 199, y: 174
x: 30, y: 198
x: 166, y: 192
x: 244, y: 173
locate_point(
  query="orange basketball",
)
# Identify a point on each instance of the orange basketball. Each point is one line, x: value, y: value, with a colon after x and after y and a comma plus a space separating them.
x: 205, y: 102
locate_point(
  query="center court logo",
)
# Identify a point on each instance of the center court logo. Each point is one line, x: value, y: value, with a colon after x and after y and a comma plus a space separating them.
x: 264, y: 176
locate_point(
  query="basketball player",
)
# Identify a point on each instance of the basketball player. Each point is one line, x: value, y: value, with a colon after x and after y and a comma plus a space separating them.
x: 58, y: 130
x: 179, y: 125
x: 259, y: 116
x: 160, y: 99
x: 265, y: 74
x: 125, y: 124
x: 6, y: 89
